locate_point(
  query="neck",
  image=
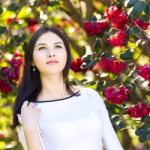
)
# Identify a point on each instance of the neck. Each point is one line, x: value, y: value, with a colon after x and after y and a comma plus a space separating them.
x: 53, y: 87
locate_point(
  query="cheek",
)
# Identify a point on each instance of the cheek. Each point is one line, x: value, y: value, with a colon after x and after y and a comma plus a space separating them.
x: 62, y: 57
x: 38, y: 58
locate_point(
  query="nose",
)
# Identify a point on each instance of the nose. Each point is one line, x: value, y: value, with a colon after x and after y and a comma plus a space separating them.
x: 51, y: 53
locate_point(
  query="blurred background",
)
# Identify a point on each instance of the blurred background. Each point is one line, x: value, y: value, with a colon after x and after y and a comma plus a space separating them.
x: 110, y: 46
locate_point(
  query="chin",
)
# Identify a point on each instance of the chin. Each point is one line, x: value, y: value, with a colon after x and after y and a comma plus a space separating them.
x: 51, y: 72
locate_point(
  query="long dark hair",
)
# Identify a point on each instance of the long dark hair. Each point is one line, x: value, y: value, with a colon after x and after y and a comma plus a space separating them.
x: 29, y: 84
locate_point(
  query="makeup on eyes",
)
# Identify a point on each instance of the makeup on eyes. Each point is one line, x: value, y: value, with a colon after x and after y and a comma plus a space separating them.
x: 42, y: 47
x: 46, y: 44
x: 57, y: 45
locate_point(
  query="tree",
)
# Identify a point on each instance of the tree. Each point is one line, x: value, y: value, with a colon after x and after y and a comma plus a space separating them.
x: 110, y: 47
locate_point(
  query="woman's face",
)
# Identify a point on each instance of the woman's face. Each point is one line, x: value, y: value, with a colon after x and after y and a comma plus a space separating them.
x: 49, y: 44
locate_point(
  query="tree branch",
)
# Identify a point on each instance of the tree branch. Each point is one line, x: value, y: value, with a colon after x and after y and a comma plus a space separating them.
x: 74, y: 14
x: 73, y: 44
x: 106, y: 2
x: 89, y: 7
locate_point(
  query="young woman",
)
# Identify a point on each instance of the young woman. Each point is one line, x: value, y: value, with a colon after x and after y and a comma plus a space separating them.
x: 50, y: 113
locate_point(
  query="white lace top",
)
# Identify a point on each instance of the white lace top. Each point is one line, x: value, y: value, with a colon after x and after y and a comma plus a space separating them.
x: 77, y: 122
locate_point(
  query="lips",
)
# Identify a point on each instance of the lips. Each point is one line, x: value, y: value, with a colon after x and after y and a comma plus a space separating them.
x: 52, y: 61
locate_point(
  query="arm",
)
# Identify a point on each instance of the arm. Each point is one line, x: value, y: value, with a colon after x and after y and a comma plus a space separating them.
x: 30, y: 139
x: 109, y: 136
x: 34, y: 141
x: 30, y: 135
x: 21, y: 137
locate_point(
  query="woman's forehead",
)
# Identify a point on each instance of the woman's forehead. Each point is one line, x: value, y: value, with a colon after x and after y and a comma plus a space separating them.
x: 49, y: 38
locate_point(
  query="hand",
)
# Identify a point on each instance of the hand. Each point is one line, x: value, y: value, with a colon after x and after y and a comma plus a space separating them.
x: 29, y: 115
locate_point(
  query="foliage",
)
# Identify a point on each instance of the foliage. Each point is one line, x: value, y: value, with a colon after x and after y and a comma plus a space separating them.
x: 110, y: 42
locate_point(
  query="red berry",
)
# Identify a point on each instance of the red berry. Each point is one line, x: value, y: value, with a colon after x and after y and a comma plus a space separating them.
x: 112, y: 12
x: 116, y: 96
x: 139, y: 110
x: 96, y: 27
x: 76, y: 65
x: 144, y: 71
x: 112, y: 65
x: 5, y: 86
x: 140, y: 23
x: 118, y: 39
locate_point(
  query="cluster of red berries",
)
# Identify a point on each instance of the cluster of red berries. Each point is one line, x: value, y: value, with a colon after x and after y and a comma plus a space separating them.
x: 96, y: 27
x: 144, y: 72
x: 118, y: 20
x: 112, y: 65
x: 139, y: 110
x: 116, y: 95
x: 32, y: 24
x: 5, y: 86
x: 10, y: 72
x: 76, y: 65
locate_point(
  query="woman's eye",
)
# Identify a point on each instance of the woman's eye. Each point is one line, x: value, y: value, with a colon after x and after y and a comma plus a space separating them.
x: 42, y: 48
x: 58, y: 46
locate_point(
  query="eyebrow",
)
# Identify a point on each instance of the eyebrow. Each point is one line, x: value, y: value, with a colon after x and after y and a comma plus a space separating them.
x: 46, y: 44
x: 41, y: 44
x: 58, y: 43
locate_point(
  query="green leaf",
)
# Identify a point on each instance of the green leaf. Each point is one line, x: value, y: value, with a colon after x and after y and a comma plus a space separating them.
x: 142, y: 138
x: 112, y: 76
x: 91, y: 82
x: 143, y: 132
x: 92, y: 18
x: 76, y: 81
x: 121, y: 1
x: 138, y: 9
x: 131, y: 3
x: 146, y: 119
x: 148, y: 137
x: 106, y: 54
x: 2, y: 29
x: 113, y: 108
x: 127, y: 55
x: 118, y: 122
x: 130, y: 85
x: 87, y: 59
x: 13, y: 7
x: 97, y: 46
x: 135, y: 30
x: 121, y: 124
x: 53, y: 3
x: 147, y: 2
x: 20, y: 38
x: 92, y: 63
x: 127, y: 80
x: 84, y: 81
x: 101, y: 35
x: 1, y: 10
x: 146, y: 17
x: 9, y: 47
x: 115, y: 118
x: 89, y: 63
x: 101, y: 85
x: 82, y: 50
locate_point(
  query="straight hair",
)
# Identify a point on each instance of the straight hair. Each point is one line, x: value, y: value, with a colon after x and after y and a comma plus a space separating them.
x: 29, y: 83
